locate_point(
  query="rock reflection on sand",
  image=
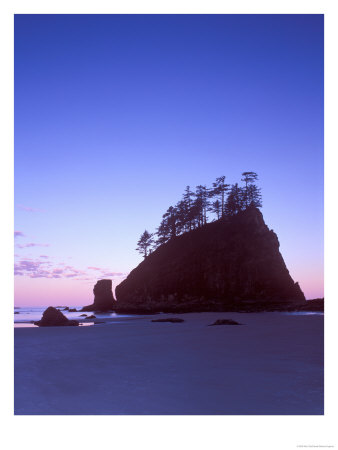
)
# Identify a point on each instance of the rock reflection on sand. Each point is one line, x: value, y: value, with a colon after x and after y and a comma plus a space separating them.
x: 31, y: 325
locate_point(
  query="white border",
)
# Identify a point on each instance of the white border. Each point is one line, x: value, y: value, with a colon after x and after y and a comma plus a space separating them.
x: 168, y: 432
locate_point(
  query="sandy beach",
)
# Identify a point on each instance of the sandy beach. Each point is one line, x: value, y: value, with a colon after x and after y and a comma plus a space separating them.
x: 272, y: 364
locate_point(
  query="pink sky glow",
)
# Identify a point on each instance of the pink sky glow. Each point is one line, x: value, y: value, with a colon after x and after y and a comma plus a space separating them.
x: 42, y: 280
x: 55, y: 291
x: 43, y: 284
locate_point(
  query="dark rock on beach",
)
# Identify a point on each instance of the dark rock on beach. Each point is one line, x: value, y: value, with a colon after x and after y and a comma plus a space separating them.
x: 171, y: 320
x: 72, y: 310
x: 315, y: 305
x: 52, y: 317
x: 83, y: 315
x: 231, y: 264
x: 16, y: 312
x: 224, y: 322
x: 91, y: 317
x: 103, y: 297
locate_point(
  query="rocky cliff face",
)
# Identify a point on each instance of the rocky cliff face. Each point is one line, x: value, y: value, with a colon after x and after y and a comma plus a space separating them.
x: 103, y: 297
x: 224, y: 265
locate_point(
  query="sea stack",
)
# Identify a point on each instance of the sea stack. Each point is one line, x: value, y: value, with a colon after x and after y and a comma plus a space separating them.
x: 230, y: 264
x: 103, y: 297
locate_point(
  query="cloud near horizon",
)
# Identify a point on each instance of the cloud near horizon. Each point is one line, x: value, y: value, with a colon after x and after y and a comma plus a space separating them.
x: 106, y: 272
x: 18, y: 234
x: 44, y: 268
x: 32, y: 244
x: 114, y: 274
x: 29, y: 209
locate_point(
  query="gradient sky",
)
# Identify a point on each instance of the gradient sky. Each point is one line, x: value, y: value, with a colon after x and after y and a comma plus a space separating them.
x: 116, y: 114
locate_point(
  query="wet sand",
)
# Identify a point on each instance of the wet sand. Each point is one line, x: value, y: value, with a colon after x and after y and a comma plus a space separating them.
x: 272, y: 364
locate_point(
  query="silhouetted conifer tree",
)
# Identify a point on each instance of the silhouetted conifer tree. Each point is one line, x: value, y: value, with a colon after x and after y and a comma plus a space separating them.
x: 249, y: 179
x: 144, y: 243
x: 163, y: 233
x: 171, y: 216
x: 201, y: 205
x: 254, y: 196
x: 216, y: 208
x: 167, y: 228
x: 188, y: 200
x: 181, y: 217
x: 219, y: 189
x: 235, y: 201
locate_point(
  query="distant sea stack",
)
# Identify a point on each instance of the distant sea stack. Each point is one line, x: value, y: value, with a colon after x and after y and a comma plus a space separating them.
x: 230, y: 264
x: 103, y: 297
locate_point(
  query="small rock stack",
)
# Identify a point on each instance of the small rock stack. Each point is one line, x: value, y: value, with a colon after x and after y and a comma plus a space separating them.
x: 52, y: 317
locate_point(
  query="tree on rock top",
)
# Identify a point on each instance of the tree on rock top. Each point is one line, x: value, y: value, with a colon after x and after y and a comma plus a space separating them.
x: 219, y: 190
x: 191, y: 212
x: 251, y: 193
x: 144, y: 243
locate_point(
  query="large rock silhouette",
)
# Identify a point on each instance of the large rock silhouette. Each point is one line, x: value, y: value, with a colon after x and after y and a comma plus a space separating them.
x: 229, y: 264
x: 52, y: 317
x: 103, y: 297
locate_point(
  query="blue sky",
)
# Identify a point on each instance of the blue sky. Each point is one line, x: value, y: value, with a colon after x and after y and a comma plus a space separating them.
x: 116, y: 114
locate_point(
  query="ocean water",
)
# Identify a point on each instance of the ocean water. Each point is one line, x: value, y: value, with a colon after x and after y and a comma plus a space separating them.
x: 303, y: 313
x: 25, y: 316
